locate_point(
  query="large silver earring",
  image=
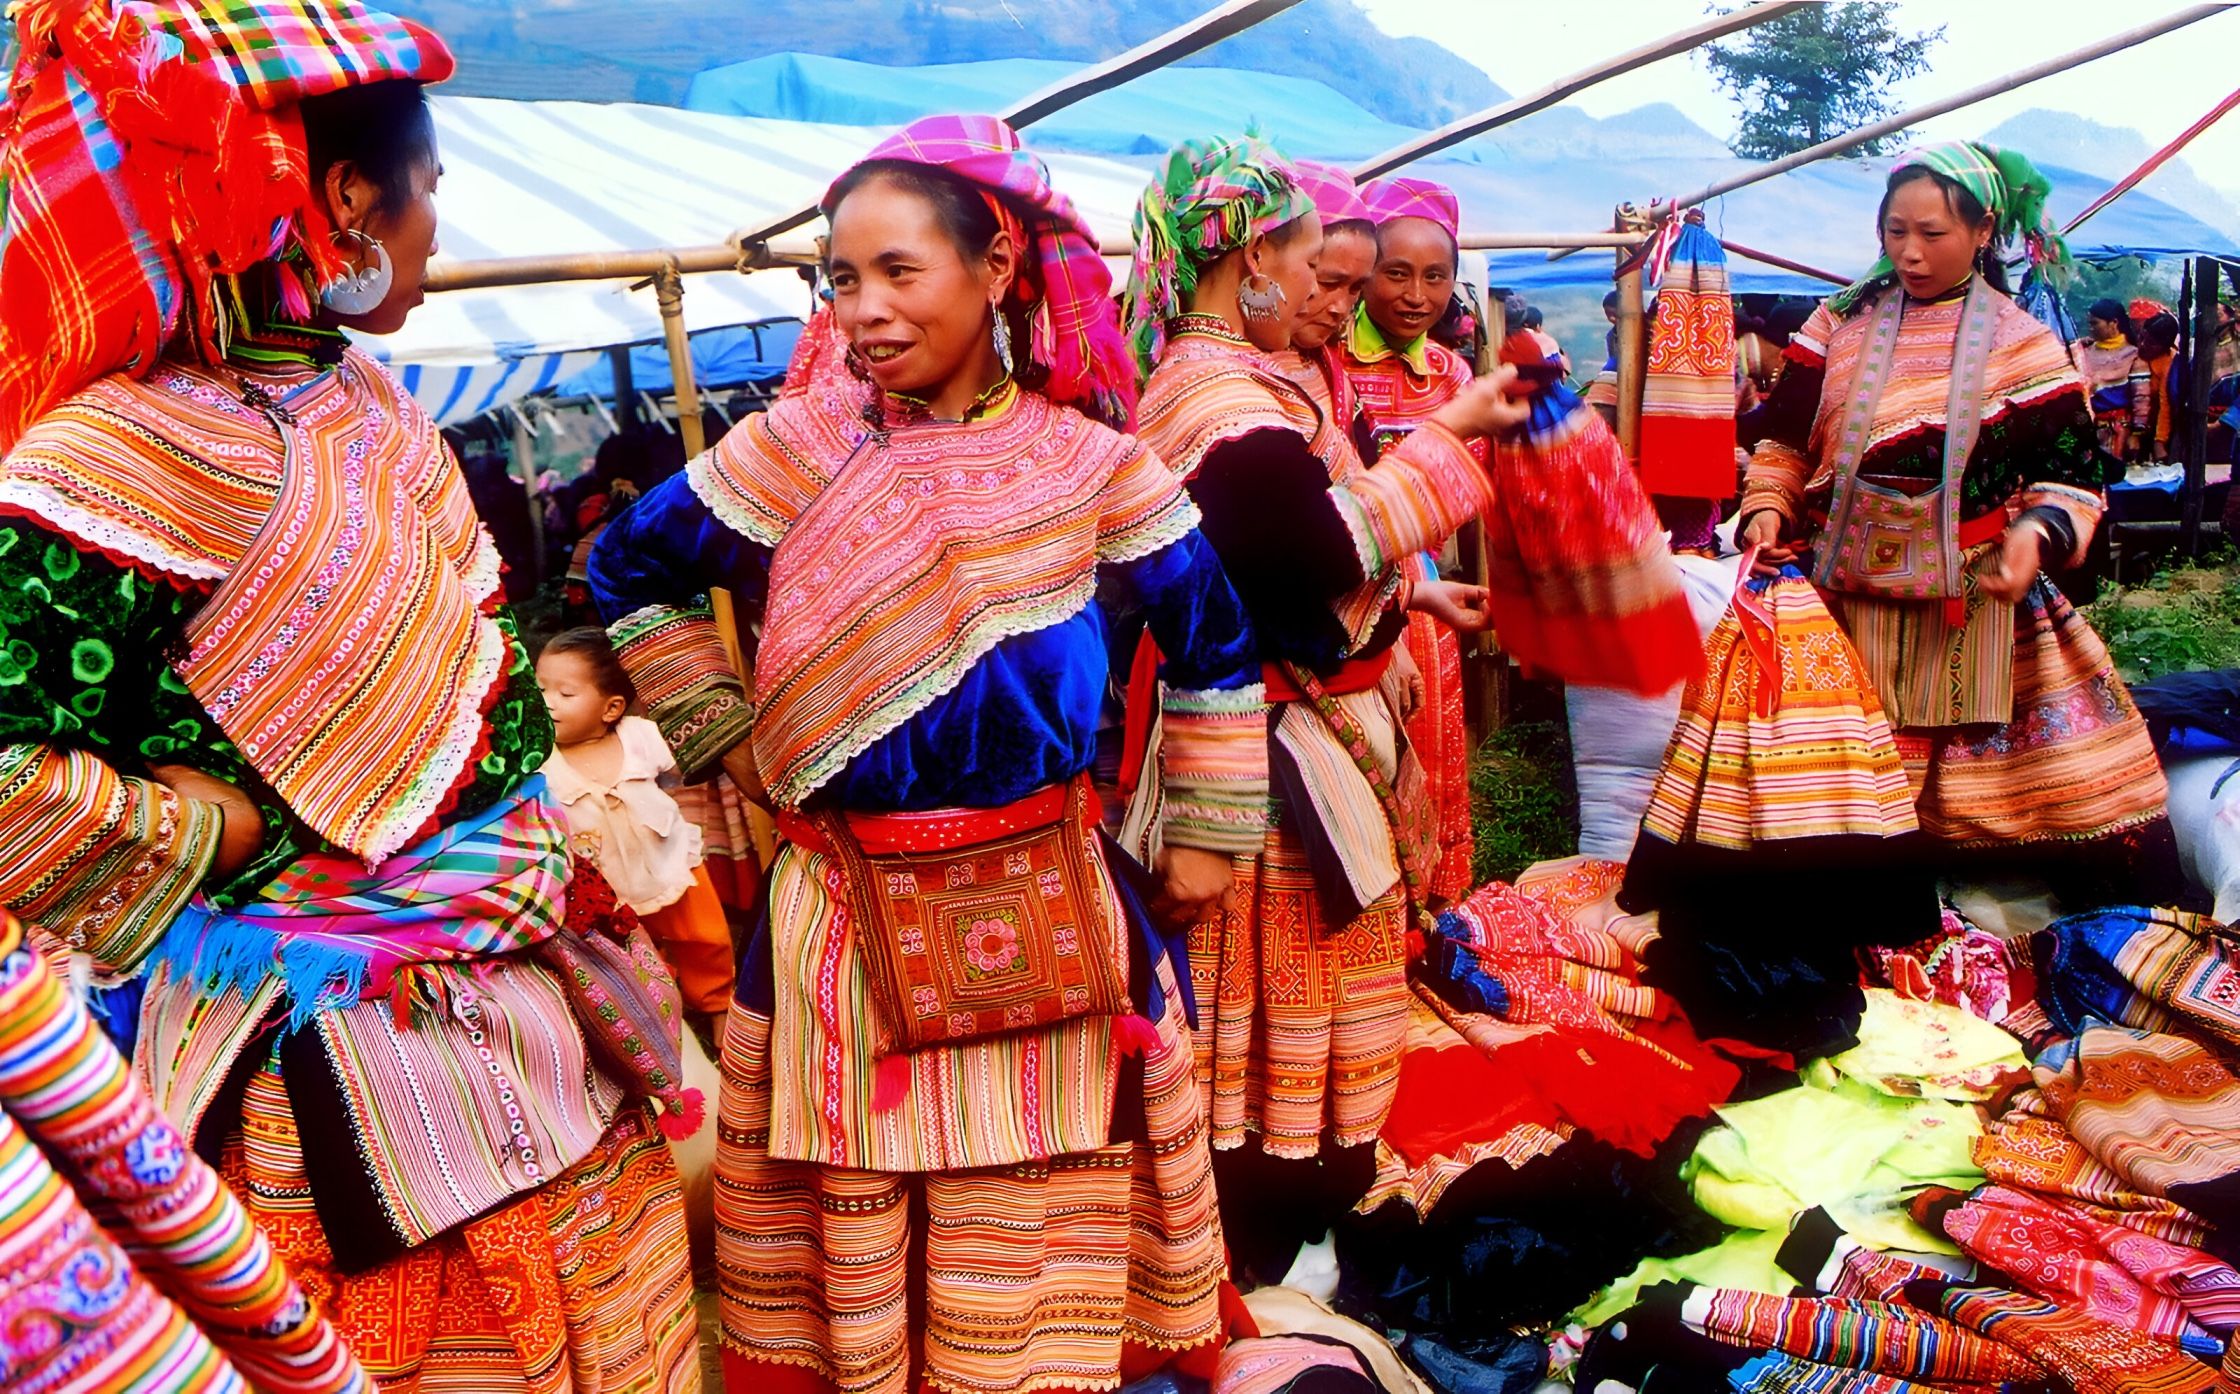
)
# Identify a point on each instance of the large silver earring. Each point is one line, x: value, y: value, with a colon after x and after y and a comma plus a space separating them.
x: 1003, y: 339
x: 361, y: 292
x: 1260, y: 298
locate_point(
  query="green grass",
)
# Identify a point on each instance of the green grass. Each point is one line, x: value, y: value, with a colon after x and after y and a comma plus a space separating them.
x: 2184, y: 620
x: 1523, y: 802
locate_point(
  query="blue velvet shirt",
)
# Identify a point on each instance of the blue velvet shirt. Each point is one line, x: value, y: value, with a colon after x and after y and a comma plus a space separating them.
x: 1023, y: 717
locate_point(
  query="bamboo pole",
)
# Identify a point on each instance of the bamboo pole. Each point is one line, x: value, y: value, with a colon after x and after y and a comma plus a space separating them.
x: 1180, y: 42
x: 2203, y: 373
x: 1487, y: 662
x: 668, y: 291
x: 1784, y: 263
x: 1633, y: 365
x: 1983, y: 91
x: 1517, y: 108
x: 804, y: 251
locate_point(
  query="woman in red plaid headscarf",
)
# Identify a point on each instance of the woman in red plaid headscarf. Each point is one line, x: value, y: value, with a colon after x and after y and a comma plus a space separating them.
x: 268, y: 743
x: 961, y: 1145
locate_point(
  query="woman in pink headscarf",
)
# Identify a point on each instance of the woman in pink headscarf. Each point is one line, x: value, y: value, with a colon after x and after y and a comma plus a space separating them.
x: 1399, y: 376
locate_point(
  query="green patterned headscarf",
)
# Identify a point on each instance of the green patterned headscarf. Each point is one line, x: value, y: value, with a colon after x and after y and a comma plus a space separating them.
x: 1207, y: 198
x: 2008, y: 186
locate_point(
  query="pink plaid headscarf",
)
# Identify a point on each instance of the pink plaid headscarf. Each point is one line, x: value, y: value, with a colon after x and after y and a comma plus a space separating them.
x: 1333, y: 192
x: 1062, y: 275
x: 1401, y: 197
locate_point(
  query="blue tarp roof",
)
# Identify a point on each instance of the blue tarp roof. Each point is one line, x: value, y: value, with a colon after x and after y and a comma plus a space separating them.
x: 1556, y: 171
x: 749, y: 355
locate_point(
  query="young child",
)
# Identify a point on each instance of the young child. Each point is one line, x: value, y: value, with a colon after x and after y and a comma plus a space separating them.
x: 609, y: 770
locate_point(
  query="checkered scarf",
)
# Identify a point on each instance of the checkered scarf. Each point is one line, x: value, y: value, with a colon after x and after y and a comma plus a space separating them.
x: 150, y: 148
x: 1063, y: 279
x: 1403, y: 197
x: 1333, y: 192
x: 1208, y: 197
x: 2010, y: 189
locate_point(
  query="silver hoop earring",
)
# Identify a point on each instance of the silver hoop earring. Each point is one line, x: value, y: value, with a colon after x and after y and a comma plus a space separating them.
x: 1260, y: 298
x: 1003, y: 339
x: 361, y: 292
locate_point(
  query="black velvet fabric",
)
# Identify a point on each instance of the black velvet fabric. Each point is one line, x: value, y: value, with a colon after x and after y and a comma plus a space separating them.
x: 1760, y: 946
x: 1519, y: 1247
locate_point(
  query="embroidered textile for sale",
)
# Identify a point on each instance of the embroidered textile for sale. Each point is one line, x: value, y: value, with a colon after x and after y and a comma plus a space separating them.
x: 1582, y: 587
x: 1530, y: 1026
x: 1064, y: 283
x: 1208, y: 197
x: 150, y: 151
x: 129, y: 1265
x: 357, y: 688
x: 1687, y: 400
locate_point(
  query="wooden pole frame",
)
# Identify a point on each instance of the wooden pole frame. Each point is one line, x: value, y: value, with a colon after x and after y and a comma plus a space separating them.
x: 1229, y: 20
x: 1633, y: 343
x: 1517, y: 108
x: 2021, y: 77
x: 2202, y: 370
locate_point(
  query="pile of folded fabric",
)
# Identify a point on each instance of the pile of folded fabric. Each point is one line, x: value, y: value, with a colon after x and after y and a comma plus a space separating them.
x: 2083, y: 1241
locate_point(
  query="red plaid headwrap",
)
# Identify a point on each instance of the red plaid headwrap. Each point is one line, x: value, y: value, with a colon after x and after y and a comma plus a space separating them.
x: 1401, y: 197
x: 1333, y: 192
x: 150, y: 147
x: 1062, y: 275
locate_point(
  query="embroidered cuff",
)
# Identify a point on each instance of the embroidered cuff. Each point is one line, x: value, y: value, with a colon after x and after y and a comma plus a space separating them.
x: 1419, y: 493
x: 1775, y: 480
x: 103, y: 862
x: 1214, y: 768
x: 684, y: 679
x: 2079, y: 508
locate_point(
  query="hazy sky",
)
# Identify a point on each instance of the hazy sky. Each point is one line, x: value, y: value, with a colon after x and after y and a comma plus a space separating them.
x: 2158, y: 88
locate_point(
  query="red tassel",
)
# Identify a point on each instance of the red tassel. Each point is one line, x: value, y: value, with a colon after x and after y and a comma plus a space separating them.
x: 1132, y: 1035
x: 1416, y: 945
x: 890, y: 1084
x: 400, y: 999
x: 683, y: 1120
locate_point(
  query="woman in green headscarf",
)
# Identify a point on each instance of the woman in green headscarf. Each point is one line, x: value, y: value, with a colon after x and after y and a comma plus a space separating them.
x: 1930, y: 459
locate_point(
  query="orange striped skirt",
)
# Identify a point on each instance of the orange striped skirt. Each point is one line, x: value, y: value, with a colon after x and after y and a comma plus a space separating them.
x: 1074, y: 1271
x: 1300, y: 1023
x: 582, y: 1286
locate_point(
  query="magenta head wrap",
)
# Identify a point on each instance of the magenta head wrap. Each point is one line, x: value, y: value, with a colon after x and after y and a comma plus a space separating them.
x: 1062, y: 277
x: 1401, y: 197
x: 1332, y: 190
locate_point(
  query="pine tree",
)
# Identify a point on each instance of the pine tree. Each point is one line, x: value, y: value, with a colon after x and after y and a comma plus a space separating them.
x: 1818, y: 72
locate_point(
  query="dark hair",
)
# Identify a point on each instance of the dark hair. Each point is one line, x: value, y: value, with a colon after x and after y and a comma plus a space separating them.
x: 591, y: 644
x: 1610, y: 300
x: 1965, y: 206
x: 1359, y: 227
x: 1533, y: 319
x: 966, y: 220
x: 384, y: 128
x: 1785, y: 319
x: 2160, y: 329
x: 2113, y: 312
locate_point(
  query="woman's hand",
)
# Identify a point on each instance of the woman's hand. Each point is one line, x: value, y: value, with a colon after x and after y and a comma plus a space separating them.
x: 1193, y: 883
x: 2007, y: 574
x: 1464, y: 608
x: 1763, y: 531
x: 1485, y: 408
x: 1408, y: 678
x: 242, y: 829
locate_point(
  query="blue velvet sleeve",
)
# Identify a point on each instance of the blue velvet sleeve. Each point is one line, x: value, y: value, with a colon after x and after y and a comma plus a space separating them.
x: 669, y: 549
x: 1194, y: 613
x: 1026, y: 714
